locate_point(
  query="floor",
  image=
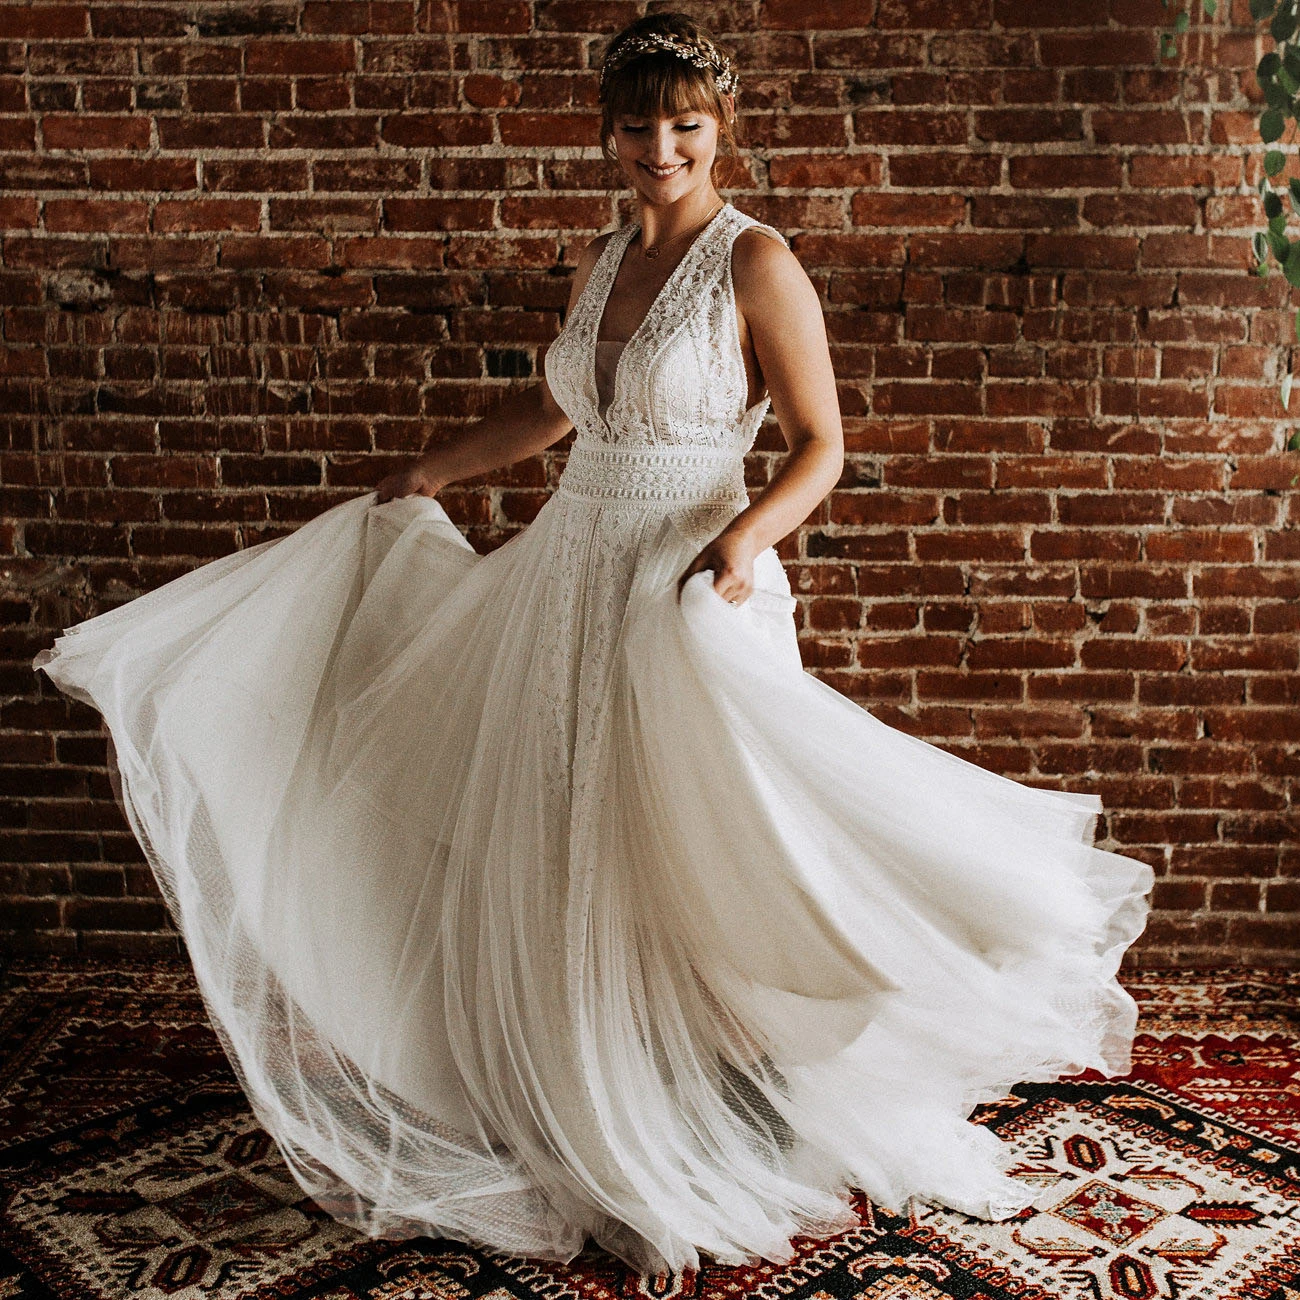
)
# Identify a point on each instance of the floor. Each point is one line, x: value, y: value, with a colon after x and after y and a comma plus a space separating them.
x: 130, y: 1166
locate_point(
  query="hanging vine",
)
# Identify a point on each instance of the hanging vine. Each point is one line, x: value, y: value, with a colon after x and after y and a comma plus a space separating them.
x: 1278, y: 74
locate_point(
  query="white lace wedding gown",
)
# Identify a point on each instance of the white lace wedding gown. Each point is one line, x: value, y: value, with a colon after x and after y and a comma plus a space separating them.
x: 531, y: 904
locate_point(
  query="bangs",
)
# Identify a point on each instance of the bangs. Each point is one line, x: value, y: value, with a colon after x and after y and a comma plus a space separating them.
x: 661, y: 86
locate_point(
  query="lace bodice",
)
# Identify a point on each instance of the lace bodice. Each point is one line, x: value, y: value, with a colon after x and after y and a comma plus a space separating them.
x: 679, y: 380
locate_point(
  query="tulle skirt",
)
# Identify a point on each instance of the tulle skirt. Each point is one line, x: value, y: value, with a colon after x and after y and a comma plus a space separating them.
x: 533, y: 902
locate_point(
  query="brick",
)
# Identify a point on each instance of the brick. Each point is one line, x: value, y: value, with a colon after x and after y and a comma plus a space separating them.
x: 325, y: 215
x: 544, y: 212
x: 299, y: 57
x: 382, y: 252
x: 907, y: 127
x: 211, y: 131
x: 240, y: 175
x: 931, y: 170
x: 436, y: 214
x: 169, y: 175
x: 18, y: 214
x: 83, y: 131
x: 495, y: 16
x: 17, y: 133
x: 96, y: 215
x: 207, y: 214
x: 1138, y: 128
x: 43, y: 22
x: 138, y: 20
x: 832, y: 171
x: 357, y: 17
x: 490, y: 91
x: 275, y: 251
x: 822, y: 14
x: 328, y: 131
x: 369, y: 174
x: 908, y: 209
x: 1173, y: 171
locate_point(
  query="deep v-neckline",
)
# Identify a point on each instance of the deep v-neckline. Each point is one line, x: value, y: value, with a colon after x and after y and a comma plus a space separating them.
x: 607, y: 288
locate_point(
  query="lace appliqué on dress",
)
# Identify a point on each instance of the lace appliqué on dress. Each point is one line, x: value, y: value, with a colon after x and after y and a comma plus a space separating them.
x: 671, y: 384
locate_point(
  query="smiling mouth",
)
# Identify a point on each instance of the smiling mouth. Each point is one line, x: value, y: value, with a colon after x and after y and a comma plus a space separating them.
x: 663, y: 175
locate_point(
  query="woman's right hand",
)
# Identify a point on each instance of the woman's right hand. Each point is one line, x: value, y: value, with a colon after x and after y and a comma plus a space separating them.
x: 416, y: 477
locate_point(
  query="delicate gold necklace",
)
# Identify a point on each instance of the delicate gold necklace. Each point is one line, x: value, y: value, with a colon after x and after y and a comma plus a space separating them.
x: 663, y: 243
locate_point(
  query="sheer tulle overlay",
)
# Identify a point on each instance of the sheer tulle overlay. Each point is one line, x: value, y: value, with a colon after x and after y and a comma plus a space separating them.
x: 535, y: 902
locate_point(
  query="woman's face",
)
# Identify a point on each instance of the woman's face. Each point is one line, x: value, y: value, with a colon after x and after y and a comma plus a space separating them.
x: 667, y: 157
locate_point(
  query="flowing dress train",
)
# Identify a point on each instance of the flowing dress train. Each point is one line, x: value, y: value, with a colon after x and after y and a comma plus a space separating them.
x: 533, y: 903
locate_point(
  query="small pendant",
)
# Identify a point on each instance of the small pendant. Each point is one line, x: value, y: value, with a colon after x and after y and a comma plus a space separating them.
x: 651, y: 252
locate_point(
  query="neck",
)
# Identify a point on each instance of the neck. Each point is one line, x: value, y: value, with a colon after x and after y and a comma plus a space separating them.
x: 660, y: 222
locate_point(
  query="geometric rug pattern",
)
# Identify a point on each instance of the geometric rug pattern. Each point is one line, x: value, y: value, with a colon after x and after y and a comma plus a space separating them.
x: 131, y: 1166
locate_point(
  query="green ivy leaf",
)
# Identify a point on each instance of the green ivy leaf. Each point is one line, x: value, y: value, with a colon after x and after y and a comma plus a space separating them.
x: 1291, y: 267
x: 1260, y: 246
x: 1271, y: 125
x: 1267, y: 67
x: 1275, y: 95
x: 1182, y: 22
x: 1283, y: 25
x: 1261, y: 9
x: 1209, y: 6
x: 1287, y: 81
x: 1274, y: 161
x: 1167, y: 47
x: 1293, y: 444
x: 1278, y: 243
x: 1272, y: 204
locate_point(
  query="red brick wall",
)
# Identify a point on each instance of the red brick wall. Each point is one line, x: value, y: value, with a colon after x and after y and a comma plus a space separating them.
x: 253, y: 254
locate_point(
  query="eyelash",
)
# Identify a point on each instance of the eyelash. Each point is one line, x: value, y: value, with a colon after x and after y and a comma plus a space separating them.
x: 693, y: 126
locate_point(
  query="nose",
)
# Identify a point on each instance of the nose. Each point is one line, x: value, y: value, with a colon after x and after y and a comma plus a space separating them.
x: 662, y: 148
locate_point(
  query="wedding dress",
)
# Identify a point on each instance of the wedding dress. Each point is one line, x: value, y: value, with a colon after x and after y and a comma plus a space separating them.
x: 532, y: 903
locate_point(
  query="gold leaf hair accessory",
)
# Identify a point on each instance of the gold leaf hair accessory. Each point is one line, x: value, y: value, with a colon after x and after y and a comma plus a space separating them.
x: 702, y: 54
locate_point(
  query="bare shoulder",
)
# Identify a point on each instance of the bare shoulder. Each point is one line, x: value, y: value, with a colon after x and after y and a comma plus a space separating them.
x: 586, y: 264
x: 770, y: 280
x: 594, y: 246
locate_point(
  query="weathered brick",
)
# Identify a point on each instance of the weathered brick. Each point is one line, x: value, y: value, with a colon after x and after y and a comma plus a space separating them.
x: 207, y: 214
x: 96, y: 215
x: 299, y: 57
x: 82, y: 131
x: 244, y: 246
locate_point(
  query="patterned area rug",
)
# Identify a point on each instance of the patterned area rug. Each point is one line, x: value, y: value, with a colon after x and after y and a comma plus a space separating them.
x: 132, y: 1167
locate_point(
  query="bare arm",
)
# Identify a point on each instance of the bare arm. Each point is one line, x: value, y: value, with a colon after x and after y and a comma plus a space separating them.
x: 521, y: 425
x: 780, y: 305
x: 784, y: 315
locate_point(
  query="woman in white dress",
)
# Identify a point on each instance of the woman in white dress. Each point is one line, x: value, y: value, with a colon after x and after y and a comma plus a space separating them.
x: 541, y: 895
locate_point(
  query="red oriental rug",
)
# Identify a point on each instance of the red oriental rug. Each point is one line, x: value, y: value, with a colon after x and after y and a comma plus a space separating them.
x: 132, y: 1167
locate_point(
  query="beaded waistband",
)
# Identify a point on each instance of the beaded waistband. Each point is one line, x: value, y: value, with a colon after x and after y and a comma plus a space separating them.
x: 647, y: 473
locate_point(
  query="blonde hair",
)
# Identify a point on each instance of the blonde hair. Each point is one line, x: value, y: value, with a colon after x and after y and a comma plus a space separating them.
x: 665, y: 82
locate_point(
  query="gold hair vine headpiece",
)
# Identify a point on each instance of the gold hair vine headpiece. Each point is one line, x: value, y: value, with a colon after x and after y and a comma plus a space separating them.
x: 702, y: 54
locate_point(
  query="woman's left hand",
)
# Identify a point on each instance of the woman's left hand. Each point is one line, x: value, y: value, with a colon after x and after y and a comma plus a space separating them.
x: 732, y: 560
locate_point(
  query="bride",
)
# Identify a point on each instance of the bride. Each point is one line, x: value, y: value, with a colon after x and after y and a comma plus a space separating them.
x: 541, y: 896
x: 668, y: 160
